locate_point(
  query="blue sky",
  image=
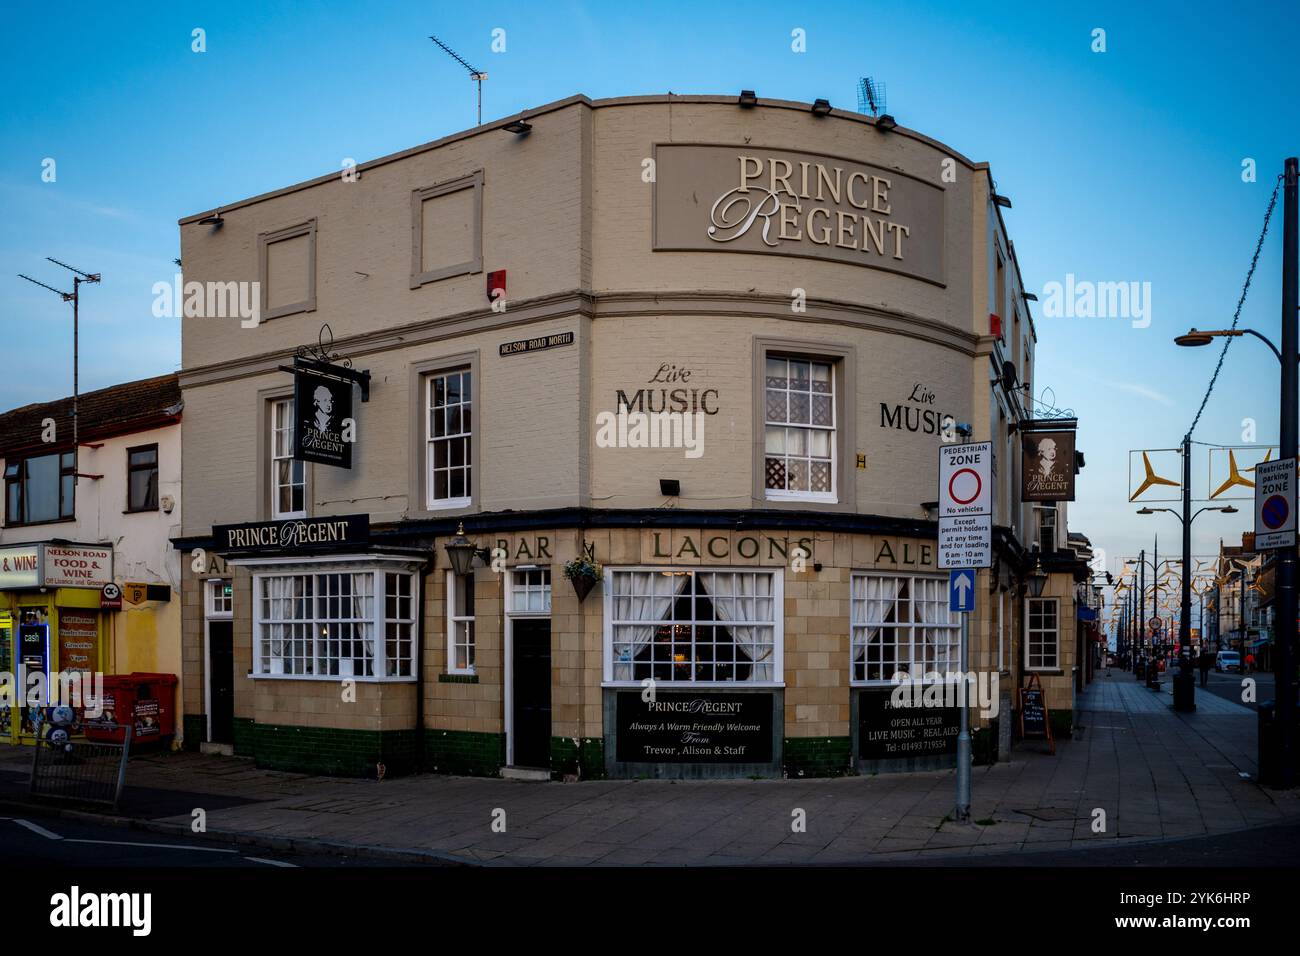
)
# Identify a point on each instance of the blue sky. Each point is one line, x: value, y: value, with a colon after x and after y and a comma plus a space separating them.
x: 1123, y: 166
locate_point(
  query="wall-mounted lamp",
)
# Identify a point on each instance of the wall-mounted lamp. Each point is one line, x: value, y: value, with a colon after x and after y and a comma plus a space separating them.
x: 885, y: 122
x: 931, y: 509
x: 670, y: 487
x: 461, y: 552
x: 214, y: 219
x: 821, y: 107
x: 1037, y: 580
x: 1002, y: 200
x: 1030, y: 297
x: 747, y: 100
x: 518, y: 127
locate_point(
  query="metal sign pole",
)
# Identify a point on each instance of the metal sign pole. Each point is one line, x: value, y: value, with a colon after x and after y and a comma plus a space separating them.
x: 963, y: 738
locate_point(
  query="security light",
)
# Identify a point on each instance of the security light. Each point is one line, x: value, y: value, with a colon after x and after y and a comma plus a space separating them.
x: 747, y: 100
x: 518, y: 127
x: 670, y: 487
x: 885, y: 123
x: 821, y: 107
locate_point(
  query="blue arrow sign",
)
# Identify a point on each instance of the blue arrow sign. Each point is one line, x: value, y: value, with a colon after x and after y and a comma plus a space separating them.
x: 961, y: 590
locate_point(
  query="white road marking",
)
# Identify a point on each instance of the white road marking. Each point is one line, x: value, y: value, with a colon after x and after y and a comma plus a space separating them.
x: 40, y: 830
x: 157, y: 846
x: 258, y: 859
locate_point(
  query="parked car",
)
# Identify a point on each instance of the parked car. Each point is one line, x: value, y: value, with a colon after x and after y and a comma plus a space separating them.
x: 1227, y: 661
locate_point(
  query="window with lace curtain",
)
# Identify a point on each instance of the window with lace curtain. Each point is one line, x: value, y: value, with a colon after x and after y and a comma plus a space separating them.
x: 799, y: 429
x: 693, y: 627
x: 337, y: 624
x: 901, y: 624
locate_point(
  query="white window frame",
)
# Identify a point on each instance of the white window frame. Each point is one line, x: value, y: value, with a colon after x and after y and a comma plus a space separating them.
x: 514, y: 589
x: 782, y: 494
x: 377, y: 566
x: 1041, y: 511
x: 778, y: 628
x: 467, y: 401
x: 1030, y: 631
x: 212, y: 610
x: 284, y: 407
x: 951, y: 623
x: 454, y: 623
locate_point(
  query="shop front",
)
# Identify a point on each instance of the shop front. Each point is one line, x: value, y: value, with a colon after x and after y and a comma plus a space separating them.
x: 51, y: 626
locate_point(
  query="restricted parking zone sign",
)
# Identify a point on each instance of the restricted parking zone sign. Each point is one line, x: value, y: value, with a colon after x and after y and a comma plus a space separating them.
x: 966, y: 505
x: 1275, y: 483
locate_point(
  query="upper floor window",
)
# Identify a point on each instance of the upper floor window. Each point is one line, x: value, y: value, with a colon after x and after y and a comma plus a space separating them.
x: 1046, y: 527
x: 288, y: 479
x: 40, y: 489
x: 448, y: 433
x: 799, y: 424
x: 142, y: 478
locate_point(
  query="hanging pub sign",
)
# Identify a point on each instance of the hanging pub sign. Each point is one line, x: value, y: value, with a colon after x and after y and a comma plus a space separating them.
x: 324, y: 427
x: 323, y: 422
x: 1048, y: 466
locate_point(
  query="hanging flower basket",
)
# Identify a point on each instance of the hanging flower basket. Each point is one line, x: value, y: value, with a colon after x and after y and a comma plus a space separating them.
x: 583, y: 572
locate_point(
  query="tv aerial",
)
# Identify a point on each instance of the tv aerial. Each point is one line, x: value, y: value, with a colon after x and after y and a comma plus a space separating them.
x: 478, y: 76
x: 871, y: 96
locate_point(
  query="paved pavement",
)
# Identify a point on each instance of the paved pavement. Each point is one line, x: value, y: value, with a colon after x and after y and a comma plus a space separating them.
x: 1135, y: 772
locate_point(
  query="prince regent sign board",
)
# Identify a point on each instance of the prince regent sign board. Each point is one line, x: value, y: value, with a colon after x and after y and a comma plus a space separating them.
x: 322, y: 409
x: 296, y: 534
x: 694, y: 728
x: 791, y: 203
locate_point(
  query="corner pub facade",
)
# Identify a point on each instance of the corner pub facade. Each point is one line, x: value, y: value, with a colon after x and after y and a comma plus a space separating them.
x: 813, y: 296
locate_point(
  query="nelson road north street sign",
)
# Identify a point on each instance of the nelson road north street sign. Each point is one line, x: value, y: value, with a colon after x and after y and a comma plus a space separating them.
x: 965, y: 505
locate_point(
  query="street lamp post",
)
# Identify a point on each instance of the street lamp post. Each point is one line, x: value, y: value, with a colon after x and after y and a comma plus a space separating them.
x: 1185, y: 683
x: 1289, y: 415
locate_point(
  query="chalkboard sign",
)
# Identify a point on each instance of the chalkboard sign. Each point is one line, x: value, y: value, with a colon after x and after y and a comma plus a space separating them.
x: 1034, y: 718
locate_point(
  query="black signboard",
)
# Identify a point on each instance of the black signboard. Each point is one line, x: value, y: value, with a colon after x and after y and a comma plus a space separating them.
x: 1033, y: 713
x: 886, y: 732
x: 1034, y: 718
x: 294, y: 535
x: 694, y: 728
x: 323, y: 423
x: 555, y: 340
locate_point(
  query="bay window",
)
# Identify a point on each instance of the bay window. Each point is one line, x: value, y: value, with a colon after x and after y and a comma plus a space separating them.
x: 334, y: 621
x: 900, y: 624
x: 693, y: 627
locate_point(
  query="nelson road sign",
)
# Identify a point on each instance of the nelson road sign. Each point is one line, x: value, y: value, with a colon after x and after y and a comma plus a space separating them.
x: 1275, y: 483
x: 965, y: 505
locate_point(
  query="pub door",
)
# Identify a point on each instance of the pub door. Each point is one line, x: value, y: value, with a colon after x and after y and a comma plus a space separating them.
x: 221, y: 681
x: 531, y: 693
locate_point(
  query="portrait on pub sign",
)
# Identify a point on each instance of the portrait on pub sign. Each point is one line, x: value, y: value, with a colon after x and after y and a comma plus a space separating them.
x: 1047, y: 472
x: 321, y: 406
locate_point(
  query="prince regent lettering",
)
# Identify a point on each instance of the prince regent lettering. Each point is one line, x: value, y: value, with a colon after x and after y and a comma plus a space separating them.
x: 288, y: 535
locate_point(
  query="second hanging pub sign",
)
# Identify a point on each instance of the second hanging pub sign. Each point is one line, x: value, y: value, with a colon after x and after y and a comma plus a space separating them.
x: 323, y: 424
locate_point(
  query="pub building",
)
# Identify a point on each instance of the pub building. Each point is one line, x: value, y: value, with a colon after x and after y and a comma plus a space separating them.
x: 603, y: 440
